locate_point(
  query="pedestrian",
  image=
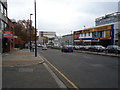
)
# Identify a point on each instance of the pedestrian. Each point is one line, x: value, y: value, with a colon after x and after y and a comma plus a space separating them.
x: 26, y: 45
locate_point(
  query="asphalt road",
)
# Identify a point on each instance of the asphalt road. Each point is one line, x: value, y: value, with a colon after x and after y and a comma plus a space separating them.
x: 85, y: 70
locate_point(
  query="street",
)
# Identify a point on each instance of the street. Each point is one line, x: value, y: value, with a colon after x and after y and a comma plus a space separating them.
x: 85, y: 70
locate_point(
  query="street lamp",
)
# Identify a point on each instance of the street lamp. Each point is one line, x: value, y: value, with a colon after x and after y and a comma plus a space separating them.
x: 30, y: 32
x: 71, y: 38
x: 35, y: 30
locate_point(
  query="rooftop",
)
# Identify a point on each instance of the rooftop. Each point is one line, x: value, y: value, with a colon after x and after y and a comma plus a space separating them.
x: 108, y: 16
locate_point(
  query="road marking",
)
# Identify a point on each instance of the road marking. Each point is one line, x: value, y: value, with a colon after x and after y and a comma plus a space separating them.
x: 59, y: 82
x: 70, y: 82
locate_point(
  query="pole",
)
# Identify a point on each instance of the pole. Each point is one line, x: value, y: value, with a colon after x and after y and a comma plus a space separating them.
x: 71, y: 38
x: 30, y: 34
x: 35, y: 31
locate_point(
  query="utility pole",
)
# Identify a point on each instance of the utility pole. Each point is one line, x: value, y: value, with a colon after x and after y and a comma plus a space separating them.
x: 30, y: 32
x: 35, y: 31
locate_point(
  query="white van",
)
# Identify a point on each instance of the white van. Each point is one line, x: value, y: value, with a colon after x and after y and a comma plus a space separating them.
x: 44, y: 47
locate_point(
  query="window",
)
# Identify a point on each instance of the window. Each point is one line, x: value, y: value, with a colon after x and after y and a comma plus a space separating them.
x: 85, y: 34
x: 1, y: 7
x: 81, y: 35
x: 5, y: 12
x: 88, y: 34
x: 2, y: 25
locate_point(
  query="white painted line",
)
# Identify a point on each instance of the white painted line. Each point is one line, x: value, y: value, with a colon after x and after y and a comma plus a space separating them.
x: 59, y: 82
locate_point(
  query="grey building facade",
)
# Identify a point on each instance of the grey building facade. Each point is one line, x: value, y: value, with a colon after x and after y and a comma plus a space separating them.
x: 67, y: 39
x: 107, y: 19
x: 3, y: 19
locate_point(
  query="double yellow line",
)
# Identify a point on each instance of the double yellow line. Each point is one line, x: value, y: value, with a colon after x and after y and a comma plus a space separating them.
x: 70, y: 82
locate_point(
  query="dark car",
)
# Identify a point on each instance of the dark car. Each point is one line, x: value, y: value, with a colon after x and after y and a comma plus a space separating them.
x: 113, y: 49
x: 67, y: 49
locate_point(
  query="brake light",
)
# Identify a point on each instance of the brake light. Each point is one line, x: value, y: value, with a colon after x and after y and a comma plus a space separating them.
x: 67, y: 48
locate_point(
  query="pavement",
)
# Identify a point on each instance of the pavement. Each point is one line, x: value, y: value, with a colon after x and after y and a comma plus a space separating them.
x: 21, y: 57
x: 21, y: 69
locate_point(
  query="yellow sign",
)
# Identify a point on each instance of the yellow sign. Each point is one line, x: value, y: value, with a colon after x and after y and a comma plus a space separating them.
x: 107, y: 34
x: 87, y: 30
x: 103, y: 28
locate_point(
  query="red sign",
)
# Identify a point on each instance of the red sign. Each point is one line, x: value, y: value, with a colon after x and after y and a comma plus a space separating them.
x: 8, y: 34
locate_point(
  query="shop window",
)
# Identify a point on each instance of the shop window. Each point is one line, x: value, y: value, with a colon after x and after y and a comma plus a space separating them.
x: 81, y: 35
x: 88, y: 34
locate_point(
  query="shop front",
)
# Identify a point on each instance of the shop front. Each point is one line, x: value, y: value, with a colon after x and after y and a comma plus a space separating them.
x: 8, y: 41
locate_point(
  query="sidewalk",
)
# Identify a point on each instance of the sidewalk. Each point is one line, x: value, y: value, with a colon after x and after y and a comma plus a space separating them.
x: 21, y: 57
x: 21, y: 69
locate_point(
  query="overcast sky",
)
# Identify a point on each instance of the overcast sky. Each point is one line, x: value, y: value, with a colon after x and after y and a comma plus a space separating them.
x: 62, y: 16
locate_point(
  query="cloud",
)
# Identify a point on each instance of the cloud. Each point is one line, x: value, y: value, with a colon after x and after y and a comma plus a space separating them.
x: 61, y: 16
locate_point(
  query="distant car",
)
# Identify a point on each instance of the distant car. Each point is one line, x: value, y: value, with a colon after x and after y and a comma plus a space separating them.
x: 67, y: 49
x: 98, y: 48
x: 38, y: 45
x: 76, y: 47
x: 86, y: 48
x: 113, y: 49
x: 44, y: 47
x: 81, y: 47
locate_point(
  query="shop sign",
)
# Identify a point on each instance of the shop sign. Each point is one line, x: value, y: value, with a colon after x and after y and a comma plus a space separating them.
x: 87, y: 31
x: 103, y: 28
x: 8, y: 34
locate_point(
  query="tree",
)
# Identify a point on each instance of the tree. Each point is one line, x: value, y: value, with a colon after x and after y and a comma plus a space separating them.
x: 22, y: 28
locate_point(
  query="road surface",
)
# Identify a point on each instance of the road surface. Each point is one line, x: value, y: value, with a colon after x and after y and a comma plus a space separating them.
x: 85, y: 70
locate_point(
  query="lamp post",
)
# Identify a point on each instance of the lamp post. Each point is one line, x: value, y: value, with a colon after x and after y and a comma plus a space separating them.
x: 35, y: 30
x: 71, y: 38
x: 30, y: 32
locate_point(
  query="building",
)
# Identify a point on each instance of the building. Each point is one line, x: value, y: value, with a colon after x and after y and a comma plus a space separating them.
x: 106, y: 32
x: 101, y: 35
x: 3, y: 19
x: 67, y: 39
x: 6, y: 29
x: 108, y: 19
x: 111, y: 19
x: 46, y: 37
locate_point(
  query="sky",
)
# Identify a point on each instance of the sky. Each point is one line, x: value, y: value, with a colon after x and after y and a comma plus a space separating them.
x: 62, y: 16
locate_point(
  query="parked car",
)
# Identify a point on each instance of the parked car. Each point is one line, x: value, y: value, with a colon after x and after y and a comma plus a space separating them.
x: 86, y: 48
x: 67, y: 49
x: 113, y: 49
x: 76, y: 47
x: 98, y: 48
x: 44, y: 47
x: 81, y: 47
